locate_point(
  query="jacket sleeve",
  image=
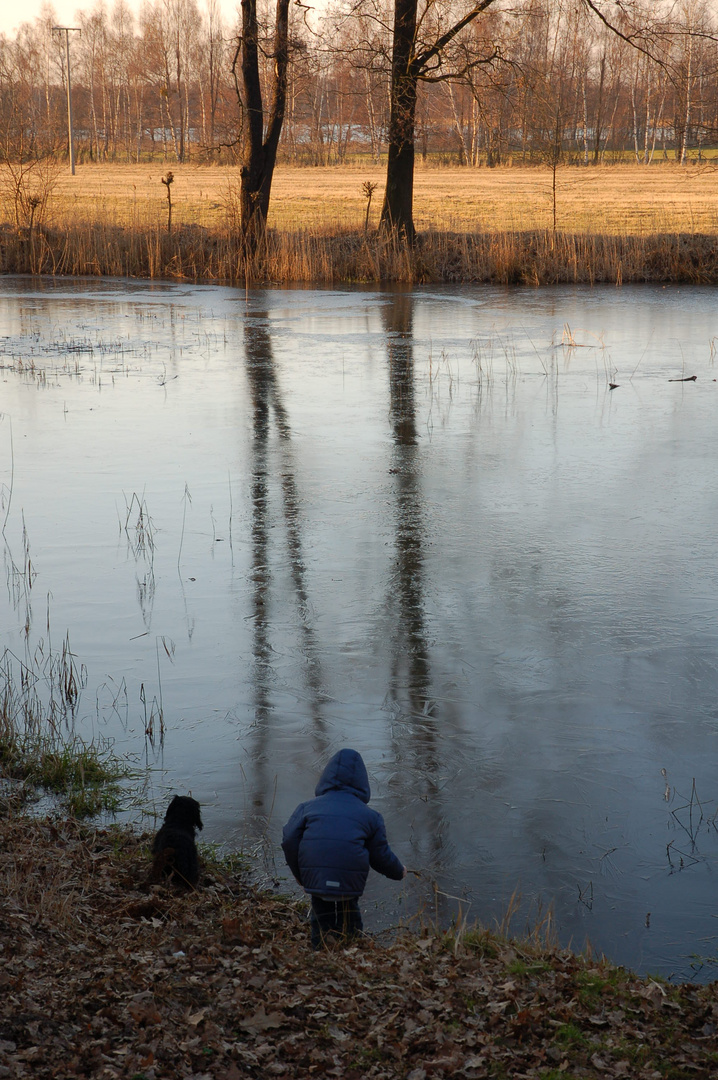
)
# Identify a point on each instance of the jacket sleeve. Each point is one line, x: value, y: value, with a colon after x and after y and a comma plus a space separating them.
x: 381, y: 857
x: 291, y: 838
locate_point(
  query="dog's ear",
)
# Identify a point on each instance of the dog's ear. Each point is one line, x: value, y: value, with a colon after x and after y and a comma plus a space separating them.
x: 198, y: 819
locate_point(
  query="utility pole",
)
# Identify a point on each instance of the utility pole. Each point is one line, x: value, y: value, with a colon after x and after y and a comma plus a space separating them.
x: 66, y: 31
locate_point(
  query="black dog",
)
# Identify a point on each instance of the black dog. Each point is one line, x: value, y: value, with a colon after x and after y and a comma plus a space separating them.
x: 174, y: 847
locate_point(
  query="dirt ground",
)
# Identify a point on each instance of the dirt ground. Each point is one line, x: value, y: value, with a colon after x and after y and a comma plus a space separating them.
x: 106, y: 975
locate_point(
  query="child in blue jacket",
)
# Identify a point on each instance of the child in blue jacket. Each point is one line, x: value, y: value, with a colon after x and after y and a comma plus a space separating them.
x: 331, y: 841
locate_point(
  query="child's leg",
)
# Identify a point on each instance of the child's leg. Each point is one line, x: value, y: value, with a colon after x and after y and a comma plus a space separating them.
x: 334, y: 918
x: 351, y: 922
x: 323, y: 920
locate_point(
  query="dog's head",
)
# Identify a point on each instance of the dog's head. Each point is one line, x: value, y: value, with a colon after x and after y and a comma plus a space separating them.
x: 183, y: 812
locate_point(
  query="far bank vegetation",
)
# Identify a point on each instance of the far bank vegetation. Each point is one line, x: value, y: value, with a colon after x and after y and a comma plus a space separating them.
x: 554, y: 142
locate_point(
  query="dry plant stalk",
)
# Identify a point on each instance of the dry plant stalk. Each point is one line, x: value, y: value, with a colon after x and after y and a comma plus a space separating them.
x: 168, y: 181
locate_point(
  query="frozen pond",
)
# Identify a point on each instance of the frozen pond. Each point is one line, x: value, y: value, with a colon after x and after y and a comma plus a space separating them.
x: 415, y: 523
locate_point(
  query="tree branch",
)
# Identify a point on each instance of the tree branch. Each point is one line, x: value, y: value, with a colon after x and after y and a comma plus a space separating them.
x: 592, y: 5
x: 423, y: 59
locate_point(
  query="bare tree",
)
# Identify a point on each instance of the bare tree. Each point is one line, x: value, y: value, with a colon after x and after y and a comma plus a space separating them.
x: 419, y: 41
x: 210, y: 70
x: 29, y: 159
x: 260, y: 134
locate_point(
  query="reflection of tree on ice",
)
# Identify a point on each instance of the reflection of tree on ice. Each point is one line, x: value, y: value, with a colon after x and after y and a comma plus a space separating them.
x: 267, y: 405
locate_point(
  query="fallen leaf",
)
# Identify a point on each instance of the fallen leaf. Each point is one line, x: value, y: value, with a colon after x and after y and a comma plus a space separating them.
x: 231, y: 1073
x: 261, y: 1021
x: 143, y: 1010
x: 232, y: 931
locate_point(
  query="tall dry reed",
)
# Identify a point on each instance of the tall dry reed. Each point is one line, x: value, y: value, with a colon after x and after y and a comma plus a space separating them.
x: 321, y: 257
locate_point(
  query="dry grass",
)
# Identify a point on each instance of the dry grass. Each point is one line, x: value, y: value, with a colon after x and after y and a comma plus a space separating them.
x: 614, y: 200
x: 615, y: 224
x: 325, y: 258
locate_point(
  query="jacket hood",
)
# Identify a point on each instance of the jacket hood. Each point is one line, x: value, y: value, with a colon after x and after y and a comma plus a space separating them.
x: 345, y: 772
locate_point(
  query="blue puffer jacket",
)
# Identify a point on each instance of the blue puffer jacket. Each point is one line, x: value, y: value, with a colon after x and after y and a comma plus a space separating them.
x: 331, y: 841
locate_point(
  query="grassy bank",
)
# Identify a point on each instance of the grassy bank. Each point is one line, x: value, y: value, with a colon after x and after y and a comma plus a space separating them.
x: 333, y: 258
x: 104, y: 975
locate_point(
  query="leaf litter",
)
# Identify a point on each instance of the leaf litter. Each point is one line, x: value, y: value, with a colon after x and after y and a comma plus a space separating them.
x: 106, y: 975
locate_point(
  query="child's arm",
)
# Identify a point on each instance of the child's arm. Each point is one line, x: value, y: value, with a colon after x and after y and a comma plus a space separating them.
x: 291, y: 837
x: 381, y: 857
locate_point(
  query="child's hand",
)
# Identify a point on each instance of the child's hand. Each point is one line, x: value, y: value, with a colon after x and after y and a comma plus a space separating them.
x: 405, y: 872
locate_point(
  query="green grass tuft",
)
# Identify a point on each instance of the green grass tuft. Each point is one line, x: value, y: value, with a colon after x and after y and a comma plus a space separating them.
x: 82, y: 775
x: 220, y: 861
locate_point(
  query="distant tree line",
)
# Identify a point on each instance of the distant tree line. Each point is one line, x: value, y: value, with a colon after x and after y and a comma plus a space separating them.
x: 523, y: 78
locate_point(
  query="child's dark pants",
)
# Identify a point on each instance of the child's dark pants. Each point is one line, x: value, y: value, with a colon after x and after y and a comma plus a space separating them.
x: 334, y: 918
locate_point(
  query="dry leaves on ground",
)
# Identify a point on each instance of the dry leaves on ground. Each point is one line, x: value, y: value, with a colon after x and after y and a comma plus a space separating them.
x: 103, y: 975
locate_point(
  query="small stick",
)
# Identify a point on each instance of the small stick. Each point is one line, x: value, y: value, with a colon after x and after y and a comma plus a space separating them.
x: 167, y: 181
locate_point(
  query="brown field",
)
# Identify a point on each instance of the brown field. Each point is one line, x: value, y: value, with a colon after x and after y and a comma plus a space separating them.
x: 613, y: 200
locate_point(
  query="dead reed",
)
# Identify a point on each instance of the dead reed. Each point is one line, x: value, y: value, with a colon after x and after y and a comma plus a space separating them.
x: 323, y: 257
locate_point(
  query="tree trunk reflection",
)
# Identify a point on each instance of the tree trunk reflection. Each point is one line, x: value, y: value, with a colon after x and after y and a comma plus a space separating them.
x: 273, y: 482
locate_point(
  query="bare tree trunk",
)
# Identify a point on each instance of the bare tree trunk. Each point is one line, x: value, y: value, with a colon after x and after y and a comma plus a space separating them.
x: 474, y: 130
x: 599, y: 110
x: 180, y: 103
x: 138, y: 123
x: 464, y: 151
x: 701, y: 127
x: 292, y: 126
x: 585, y: 122
x: 635, y: 120
x: 259, y: 151
x: 648, y: 156
x: 214, y: 65
x: 687, y: 119
x: 203, y: 114
x: 105, y: 119
x: 318, y: 122
x: 371, y: 113
x: 397, y: 211
x: 612, y: 123
x: 186, y: 150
